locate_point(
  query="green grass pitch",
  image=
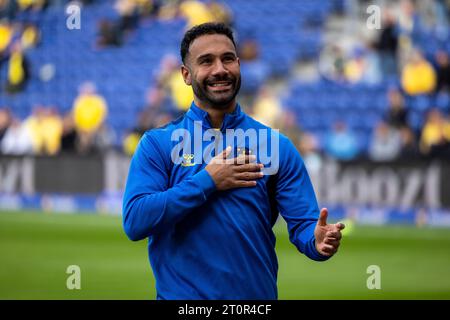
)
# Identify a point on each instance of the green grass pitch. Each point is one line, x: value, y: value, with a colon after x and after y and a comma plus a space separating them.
x: 37, y: 248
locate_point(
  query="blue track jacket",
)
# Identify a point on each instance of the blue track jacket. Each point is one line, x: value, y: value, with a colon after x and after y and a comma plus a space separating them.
x: 210, y: 244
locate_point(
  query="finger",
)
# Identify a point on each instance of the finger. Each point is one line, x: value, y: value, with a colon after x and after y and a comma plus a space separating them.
x: 249, y: 175
x: 226, y: 152
x: 244, y: 184
x: 219, y: 158
x: 251, y: 167
x: 329, y: 249
x: 242, y: 159
x: 332, y: 242
x: 323, y: 217
x: 340, y: 225
x: 334, y: 234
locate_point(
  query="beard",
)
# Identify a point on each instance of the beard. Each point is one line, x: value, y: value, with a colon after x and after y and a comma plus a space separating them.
x: 217, y: 99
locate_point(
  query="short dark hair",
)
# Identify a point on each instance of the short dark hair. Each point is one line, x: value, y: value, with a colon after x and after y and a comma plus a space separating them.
x: 203, y: 29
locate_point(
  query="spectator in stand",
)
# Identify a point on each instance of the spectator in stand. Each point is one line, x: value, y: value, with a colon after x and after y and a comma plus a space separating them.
x: 287, y: 123
x: 220, y: 12
x: 443, y: 71
x: 6, y: 35
x: 435, y: 138
x: 386, y: 143
x: 195, y: 12
x: 8, y: 10
x: 89, y: 113
x: 156, y: 113
x: 435, y: 16
x: 248, y: 50
x: 32, y: 5
x: 45, y: 126
x: 332, y: 63
x: 418, y: 75
x: 171, y: 81
x: 69, y: 137
x: 306, y: 143
x: 252, y: 67
x: 158, y: 106
x: 387, y: 44
x: 129, y: 15
x: 132, y: 139
x: 397, y: 114
x: 341, y: 143
x: 180, y: 92
x: 410, y: 149
x: 409, y: 23
x: 108, y: 34
x: 149, y: 8
x: 267, y: 108
x: 30, y: 36
x: 17, y: 140
x: 169, y: 10
x: 156, y: 101
x: 309, y: 150
x: 104, y: 139
x: 5, y: 121
x: 362, y: 67
x: 112, y: 33
x: 18, y: 70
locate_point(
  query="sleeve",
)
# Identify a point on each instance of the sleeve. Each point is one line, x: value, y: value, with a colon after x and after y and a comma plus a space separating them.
x: 149, y: 206
x: 296, y: 200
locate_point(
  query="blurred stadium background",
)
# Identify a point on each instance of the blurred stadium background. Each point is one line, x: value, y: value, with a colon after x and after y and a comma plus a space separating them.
x: 366, y: 102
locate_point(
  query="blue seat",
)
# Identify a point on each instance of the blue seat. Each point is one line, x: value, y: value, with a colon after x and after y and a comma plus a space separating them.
x: 421, y: 103
x: 443, y: 101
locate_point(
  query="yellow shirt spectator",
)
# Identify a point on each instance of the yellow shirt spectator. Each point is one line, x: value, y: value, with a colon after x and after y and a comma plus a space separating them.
x: 89, y: 112
x: 5, y: 36
x: 16, y: 73
x: 29, y: 37
x: 435, y: 131
x: 130, y: 143
x: 182, y: 94
x: 418, y: 78
x: 52, y: 128
x: 196, y: 13
x: 433, y: 134
x: 267, y: 109
x: 354, y: 70
x: 24, y: 4
x: 32, y: 125
x: 46, y: 131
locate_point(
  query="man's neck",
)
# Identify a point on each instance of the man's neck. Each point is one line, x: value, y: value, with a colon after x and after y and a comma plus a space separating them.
x: 216, y: 115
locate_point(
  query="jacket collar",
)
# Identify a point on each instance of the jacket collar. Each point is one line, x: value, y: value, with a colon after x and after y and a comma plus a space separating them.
x: 230, y: 121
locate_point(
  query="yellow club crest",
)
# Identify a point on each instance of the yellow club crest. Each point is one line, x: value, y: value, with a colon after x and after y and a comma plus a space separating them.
x: 187, y: 160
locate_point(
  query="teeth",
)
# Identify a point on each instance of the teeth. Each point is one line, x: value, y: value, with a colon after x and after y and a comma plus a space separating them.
x: 219, y: 84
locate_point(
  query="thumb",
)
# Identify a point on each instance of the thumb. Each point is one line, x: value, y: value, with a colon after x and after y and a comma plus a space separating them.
x: 323, y: 217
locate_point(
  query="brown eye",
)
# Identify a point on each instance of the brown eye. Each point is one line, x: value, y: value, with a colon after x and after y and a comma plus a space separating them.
x: 229, y: 59
x: 205, y: 61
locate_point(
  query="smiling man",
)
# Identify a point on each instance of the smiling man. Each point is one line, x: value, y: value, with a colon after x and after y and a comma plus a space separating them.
x: 209, y: 219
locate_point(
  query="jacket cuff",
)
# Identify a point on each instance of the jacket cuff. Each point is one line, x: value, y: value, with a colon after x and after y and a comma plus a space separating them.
x: 314, y: 254
x: 205, y: 182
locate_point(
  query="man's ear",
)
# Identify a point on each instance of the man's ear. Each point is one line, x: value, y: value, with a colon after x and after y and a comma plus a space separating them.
x: 186, y: 75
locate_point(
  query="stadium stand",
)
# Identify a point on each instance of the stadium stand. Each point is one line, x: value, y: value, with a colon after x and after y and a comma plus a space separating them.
x: 65, y: 58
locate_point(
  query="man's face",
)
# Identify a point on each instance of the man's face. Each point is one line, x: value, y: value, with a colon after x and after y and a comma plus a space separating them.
x: 212, y: 68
